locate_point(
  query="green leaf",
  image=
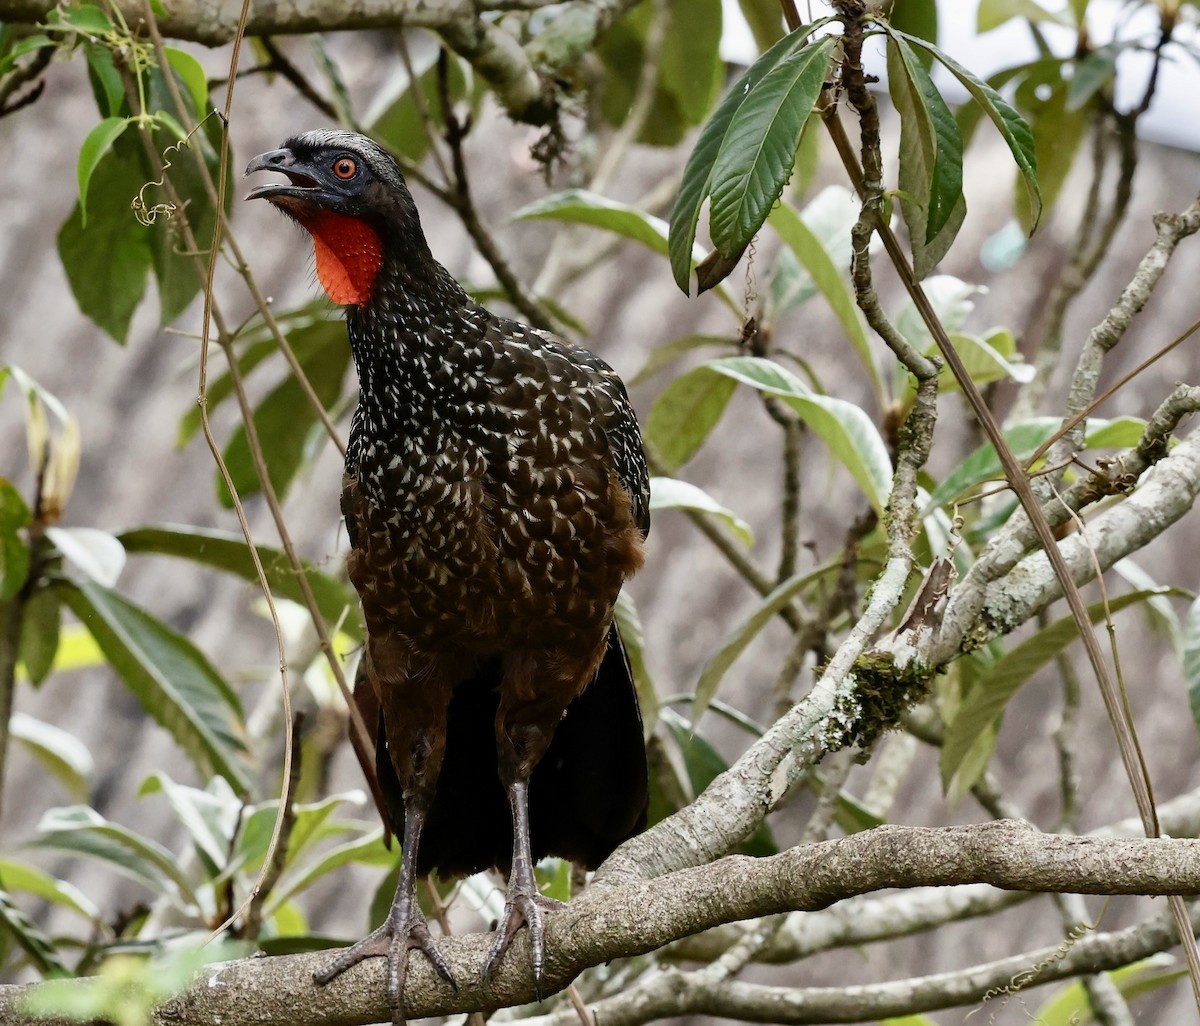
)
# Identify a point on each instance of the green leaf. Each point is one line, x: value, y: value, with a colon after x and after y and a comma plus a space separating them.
x: 666, y: 353
x: 1025, y: 439
x: 94, y: 553
x: 312, y: 823
x: 1191, y: 659
x: 938, y: 184
x: 995, y: 688
x: 98, y: 142
x: 688, y: 65
x: 765, y: 19
x: 223, y: 550
x: 930, y: 164
x: 20, y: 876
x: 42, y: 951
x: 984, y: 465
x: 1012, y: 127
x: 86, y: 18
x: 40, y: 625
x: 1072, y: 1007
x: 209, y: 818
x: 1118, y: 433
x: 670, y: 493
x: 1044, y: 94
x: 583, y: 207
x: 191, y: 73
x: 14, y: 552
x: 287, y: 425
x: 830, y: 280
x: 759, y: 147
x: 63, y: 755
x: 173, y: 680
x: 107, y: 84
x: 107, y: 263
x: 994, y: 13
x: 848, y: 432
x: 367, y: 851
x: 744, y: 633
x: 629, y: 626
x: 395, y: 117
x: 917, y: 18
x: 696, y: 183
x: 685, y: 413
x: 985, y: 361
x: 80, y: 830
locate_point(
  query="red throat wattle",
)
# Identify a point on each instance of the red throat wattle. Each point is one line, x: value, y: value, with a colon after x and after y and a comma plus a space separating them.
x: 349, y: 255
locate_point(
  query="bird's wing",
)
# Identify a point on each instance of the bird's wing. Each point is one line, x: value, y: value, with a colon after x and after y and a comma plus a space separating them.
x: 618, y: 422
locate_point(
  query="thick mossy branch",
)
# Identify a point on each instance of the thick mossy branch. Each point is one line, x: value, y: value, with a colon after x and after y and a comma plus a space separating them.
x: 883, y: 689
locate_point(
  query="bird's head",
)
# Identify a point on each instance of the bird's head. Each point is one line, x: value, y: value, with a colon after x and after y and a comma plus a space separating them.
x: 348, y: 192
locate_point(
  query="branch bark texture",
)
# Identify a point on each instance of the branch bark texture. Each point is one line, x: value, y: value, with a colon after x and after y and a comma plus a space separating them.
x: 517, y: 74
x: 617, y: 921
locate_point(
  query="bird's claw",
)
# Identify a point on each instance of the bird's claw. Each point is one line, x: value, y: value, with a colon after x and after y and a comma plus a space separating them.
x: 521, y: 907
x: 393, y: 940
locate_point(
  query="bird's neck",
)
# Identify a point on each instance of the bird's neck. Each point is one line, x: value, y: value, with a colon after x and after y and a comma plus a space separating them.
x: 402, y: 340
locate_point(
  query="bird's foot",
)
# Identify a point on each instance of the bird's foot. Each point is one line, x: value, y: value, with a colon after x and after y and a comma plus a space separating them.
x: 523, y: 905
x: 404, y: 929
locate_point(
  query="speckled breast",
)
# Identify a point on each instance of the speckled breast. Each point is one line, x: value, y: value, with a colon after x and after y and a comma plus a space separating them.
x: 482, y: 503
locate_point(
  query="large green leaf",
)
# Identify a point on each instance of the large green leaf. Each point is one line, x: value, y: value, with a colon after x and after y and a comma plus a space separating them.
x: 223, y: 550
x: 98, y: 142
x: 848, y: 432
x: 830, y: 280
x: 368, y: 850
x: 81, y: 830
x: 40, y: 628
x: 1044, y: 94
x: 14, y: 551
x: 671, y: 493
x: 395, y: 117
x: 173, y: 680
x: 20, y: 876
x: 583, y: 207
x: 688, y: 68
x: 629, y: 626
x: 685, y: 413
x: 696, y: 184
x: 1012, y: 127
x: 62, y: 755
x: 108, y: 278
x: 931, y: 154
x: 42, y: 951
x: 759, y: 148
x: 1191, y: 659
x: 666, y: 353
x: 210, y: 816
x: 994, y: 689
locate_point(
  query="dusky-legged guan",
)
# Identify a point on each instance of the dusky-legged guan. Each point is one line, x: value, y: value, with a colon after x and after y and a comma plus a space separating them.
x: 496, y: 499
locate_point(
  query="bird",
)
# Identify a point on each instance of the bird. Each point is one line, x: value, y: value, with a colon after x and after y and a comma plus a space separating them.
x: 496, y: 499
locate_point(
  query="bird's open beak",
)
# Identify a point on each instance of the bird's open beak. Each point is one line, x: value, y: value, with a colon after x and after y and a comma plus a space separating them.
x: 298, y: 185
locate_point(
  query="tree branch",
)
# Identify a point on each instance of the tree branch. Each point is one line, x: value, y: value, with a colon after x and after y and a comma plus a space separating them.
x: 618, y: 921
x: 519, y: 77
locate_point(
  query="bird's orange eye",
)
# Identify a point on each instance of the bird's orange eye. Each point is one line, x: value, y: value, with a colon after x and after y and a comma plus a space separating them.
x: 344, y: 167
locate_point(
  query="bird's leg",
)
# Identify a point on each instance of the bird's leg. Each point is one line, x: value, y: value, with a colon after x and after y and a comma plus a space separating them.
x: 413, y: 697
x: 523, y: 902
x: 403, y: 929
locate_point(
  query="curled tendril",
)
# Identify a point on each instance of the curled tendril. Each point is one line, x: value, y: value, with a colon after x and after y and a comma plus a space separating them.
x: 148, y: 213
